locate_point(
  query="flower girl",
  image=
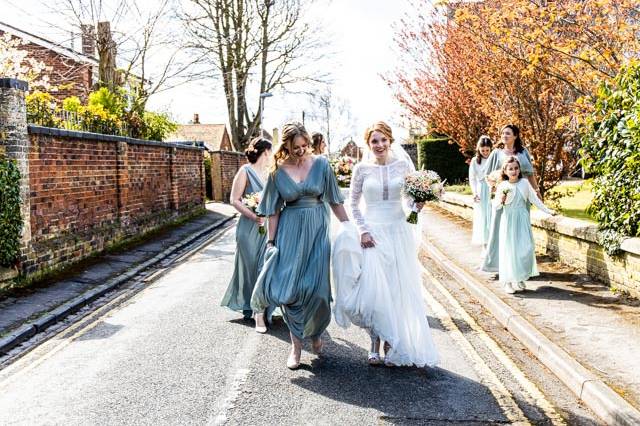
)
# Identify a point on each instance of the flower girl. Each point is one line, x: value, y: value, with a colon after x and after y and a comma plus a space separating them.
x: 481, y: 192
x: 517, y: 257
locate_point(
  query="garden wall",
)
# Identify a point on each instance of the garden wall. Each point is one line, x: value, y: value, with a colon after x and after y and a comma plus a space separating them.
x: 82, y: 192
x: 224, y: 166
x: 574, y: 243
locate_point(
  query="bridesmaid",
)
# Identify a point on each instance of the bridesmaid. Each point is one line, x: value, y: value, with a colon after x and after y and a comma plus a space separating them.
x: 517, y: 247
x: 481, y: 192
x: 250, y: 243
x: 295, y: 276
x: 318, y: 144
x: 512, y: 146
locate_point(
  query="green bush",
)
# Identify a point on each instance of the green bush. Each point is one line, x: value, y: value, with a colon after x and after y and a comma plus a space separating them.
x: 10, y: 216
x: 611, y: 151
x: 41, y: 108
x: 437, y: 154
x: 156, y: 126
x: 105, y: 112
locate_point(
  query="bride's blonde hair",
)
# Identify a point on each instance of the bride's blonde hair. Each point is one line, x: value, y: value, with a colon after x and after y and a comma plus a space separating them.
x: 289, y: 133
x: 381, y: 127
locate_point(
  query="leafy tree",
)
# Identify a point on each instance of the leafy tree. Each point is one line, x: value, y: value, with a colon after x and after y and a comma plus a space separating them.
x: 611, y: 151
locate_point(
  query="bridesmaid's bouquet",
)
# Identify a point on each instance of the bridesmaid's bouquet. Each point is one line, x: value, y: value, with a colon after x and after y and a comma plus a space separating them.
x: 343, y: 167
x: 494, y: 178
x: 252, y: 201
x: 422, y: 186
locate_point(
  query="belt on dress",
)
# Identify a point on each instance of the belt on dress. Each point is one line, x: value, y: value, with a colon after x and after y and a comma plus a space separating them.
x: 304, y: 202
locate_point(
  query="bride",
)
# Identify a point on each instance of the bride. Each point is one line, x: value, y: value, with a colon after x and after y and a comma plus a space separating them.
x: 377, y: 275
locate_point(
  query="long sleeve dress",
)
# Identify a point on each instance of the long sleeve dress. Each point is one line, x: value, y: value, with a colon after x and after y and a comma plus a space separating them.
x: 517, y: 246
x: 384, y: 295
x: 249, y: 254
x: 494, y: 162
x: 482, y: 208
x: 295, y: 275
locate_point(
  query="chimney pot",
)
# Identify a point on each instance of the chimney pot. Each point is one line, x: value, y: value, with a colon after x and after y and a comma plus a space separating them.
x: 88, y: 40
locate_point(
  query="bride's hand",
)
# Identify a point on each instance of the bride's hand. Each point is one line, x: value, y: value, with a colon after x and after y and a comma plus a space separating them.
x: 419, y: 206
x: 366, y: 240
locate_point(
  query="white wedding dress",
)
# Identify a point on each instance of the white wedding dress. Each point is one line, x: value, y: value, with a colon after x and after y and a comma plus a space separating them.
x: 379, y: 288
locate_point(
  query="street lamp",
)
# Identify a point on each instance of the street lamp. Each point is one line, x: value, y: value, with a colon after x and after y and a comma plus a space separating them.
x: 262, y: 96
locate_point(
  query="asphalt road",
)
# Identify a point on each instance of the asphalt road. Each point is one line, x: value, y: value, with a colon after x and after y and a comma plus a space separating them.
x: 172, y: 355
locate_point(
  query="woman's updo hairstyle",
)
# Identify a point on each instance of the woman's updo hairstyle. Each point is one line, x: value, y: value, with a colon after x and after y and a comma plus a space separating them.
x: 256, y: 148
x: 316, y: 140
x: 381, y: 127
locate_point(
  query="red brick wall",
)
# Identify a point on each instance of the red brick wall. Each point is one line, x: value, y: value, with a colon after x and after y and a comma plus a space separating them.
x: 224, y: 166
x: 149, y: 182
x: 188, y: 178
x: 88, y: 194
x: 71, y: 77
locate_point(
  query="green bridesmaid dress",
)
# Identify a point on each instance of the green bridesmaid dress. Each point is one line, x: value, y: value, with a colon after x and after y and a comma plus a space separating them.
x: 295, y: 276
x: 494, y: 162
x: 249, y: 255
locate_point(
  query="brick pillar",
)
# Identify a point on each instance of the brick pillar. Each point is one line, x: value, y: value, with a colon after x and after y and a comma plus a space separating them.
x: 216, y: 176
x: 122, y: 168
x: 14, y: 144
x: 203, y: 180
x: 174, y: 198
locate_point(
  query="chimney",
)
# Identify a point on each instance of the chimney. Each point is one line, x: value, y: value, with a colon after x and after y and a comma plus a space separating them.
x: 88, y: 40
x: 196, y: 118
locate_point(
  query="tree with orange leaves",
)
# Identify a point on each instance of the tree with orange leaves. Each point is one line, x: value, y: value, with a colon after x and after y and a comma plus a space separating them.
x: 534, y: 63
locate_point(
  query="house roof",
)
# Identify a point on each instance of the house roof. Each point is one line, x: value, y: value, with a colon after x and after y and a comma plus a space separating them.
x: 211, y: 134
x: 62, y: 50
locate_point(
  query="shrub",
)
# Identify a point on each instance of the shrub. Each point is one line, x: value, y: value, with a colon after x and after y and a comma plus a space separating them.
x: 611, y: 151
x: 156, y: 126
x: 113, y: 103
x: 10, y: 216
x: 437, y: 154
x: 41, y: 107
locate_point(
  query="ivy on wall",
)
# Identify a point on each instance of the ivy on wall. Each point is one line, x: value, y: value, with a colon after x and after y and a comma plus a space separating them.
x: 10, y: 216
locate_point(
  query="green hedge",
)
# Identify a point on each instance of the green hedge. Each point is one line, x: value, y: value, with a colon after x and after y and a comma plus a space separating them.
x: 437, y: 154
x: 10, y: 217
x: 611, y: 151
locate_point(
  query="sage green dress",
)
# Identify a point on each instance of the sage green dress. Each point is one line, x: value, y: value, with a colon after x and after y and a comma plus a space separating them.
x: 494, y: 162
x: 249, y: 254
x: 517, y: 245
x: 295, y: 275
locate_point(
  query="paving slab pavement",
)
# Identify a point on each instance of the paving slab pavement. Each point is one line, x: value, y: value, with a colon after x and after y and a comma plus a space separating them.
x: 29, y: 304
x: 594, y: 325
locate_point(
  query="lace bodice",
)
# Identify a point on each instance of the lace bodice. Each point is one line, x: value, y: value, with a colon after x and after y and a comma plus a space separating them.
x: 381, y: 188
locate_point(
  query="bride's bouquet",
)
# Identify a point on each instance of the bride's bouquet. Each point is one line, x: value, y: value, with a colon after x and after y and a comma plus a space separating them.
x: 422, y: 186
x: 252, y: 201
x: 343, y: 167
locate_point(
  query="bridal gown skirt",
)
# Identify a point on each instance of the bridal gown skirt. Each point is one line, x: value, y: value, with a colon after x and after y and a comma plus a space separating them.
x: 380, y: 289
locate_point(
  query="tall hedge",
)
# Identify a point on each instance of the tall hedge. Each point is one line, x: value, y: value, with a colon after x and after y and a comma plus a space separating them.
x: 437, y: 154
x: 611, y: 151
x: 10, y: 216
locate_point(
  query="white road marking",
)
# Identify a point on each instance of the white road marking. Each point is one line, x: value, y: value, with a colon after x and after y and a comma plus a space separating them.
x: 502, y: 396
x: 533, y: 394
x: 237, y: 376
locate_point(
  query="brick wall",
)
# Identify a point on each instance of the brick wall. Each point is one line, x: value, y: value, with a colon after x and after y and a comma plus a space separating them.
x: 574, y: 243
x: 73, y: 78
x: 88, y: 191
x: 224, y: 166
